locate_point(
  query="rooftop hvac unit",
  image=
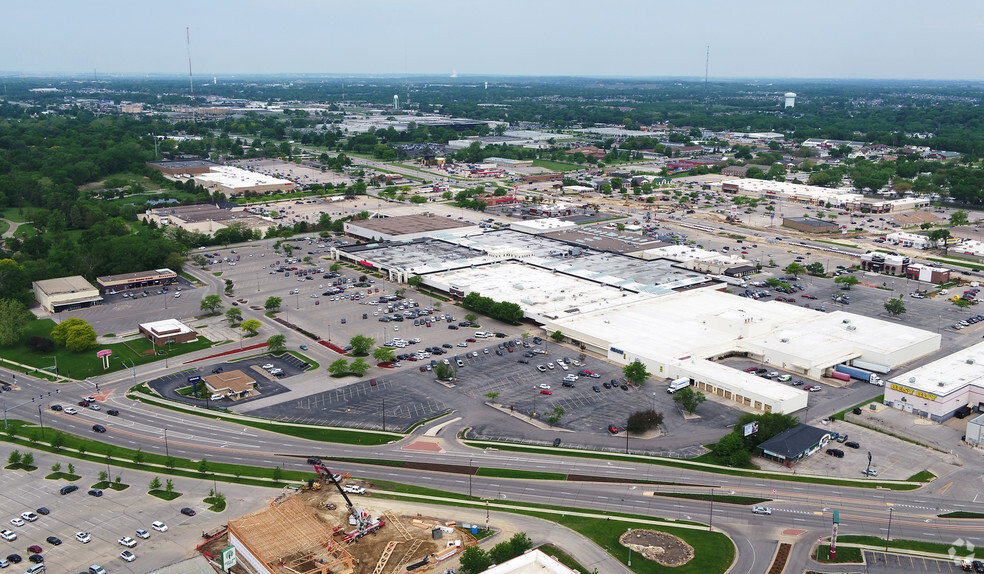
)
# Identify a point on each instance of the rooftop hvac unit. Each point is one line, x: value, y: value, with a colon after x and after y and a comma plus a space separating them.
x: 784, y: 340
x: 912, y: 380
x: 851, y: 328
x: 970, y: 361
x: 941, y: 384
x: 846, y: 321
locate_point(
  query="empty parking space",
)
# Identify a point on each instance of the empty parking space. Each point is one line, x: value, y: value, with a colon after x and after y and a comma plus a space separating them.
x: 881, y: 562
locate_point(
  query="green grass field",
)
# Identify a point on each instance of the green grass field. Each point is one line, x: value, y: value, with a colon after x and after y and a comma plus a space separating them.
x: 556, y: 165
x: 15, y: 214
x: 86, y: 364
x: 843, y: 555
x: 25, y: 230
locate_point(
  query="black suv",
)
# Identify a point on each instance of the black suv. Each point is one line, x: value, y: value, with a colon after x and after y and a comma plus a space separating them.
x: 835, y: 452
x: 852, y: 444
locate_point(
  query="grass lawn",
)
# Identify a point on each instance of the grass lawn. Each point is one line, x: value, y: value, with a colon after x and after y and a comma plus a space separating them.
x: 922, y: 476
x: 164, y: 495
x: 962, y: 514
x: 25, y: 230
x: 723, y: 498
x: 556, y: 165
x: 918, y: 545
x: 215, y: 504
x: 562, y: 557
x: 513, y: 473
x: 4, y: 226
x: 85, y: 364
x: 15, y: 214
x: 844, y: 555
x: 63, y: 476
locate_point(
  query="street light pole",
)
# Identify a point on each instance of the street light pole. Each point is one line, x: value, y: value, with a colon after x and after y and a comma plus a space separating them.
x: 469, y: 478
x: 628, y: 531
x: 384, y: 413
x: 166, y: 452
x: 39, y: 420
x: 888, y: 536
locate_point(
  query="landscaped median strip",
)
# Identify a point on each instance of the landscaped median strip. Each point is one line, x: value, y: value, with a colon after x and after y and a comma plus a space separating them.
x: 695, y: 466
x: 943, y: 551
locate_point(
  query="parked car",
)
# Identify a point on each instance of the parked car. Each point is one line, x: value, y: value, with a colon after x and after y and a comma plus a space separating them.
x: 835, y: 452
x: 83, y: 537
x: 187, y: 511
x: 852, y: 444
x: 613, y: 429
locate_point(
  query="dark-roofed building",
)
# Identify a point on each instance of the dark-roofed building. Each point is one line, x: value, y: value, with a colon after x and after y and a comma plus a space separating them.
x: 138, y: 280
x: 810, y: 225
x: 791, y: 446
x: 407, y: 227
x: 182, y: 167
x: 607, y: 239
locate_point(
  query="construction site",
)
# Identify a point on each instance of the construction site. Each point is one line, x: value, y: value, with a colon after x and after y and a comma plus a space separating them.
x: 320, y: 529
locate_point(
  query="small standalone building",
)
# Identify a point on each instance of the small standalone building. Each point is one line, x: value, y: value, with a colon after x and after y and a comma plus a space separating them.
x: 232, y: 384
x: 65, y: 294
x: 160, y: 333
x: 794, y: 445
x: 975, y: 431
x: 138, y: 280
x: 533, y: 561
x: 810, y: 225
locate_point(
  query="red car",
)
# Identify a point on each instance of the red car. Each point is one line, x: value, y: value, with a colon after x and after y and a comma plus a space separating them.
x: 35, y: 549
x: 613, y: 429
x: 751, y: 369
x: 471, y: 340
x: 545, y: 392
x: 808, y: 296
x: 83, y: 403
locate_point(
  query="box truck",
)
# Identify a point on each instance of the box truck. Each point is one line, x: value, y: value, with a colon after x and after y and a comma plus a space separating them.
x: 678, y: 384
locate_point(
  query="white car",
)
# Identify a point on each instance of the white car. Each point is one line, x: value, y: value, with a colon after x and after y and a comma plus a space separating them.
x: 570, y: 378
x: 94, y: 407
x: 127, y: 541
x: 70, y: 411
x: 353, y: 489
x: 544, y: 386
x: 17, y: 522
x: 143, y: 533
x: 541, y: 368
x: 29, y: 516
x: 159, y: 526
x: 550, y: 366
x: 761, y: 510
x: 8, y: 535
x: 784, y: 378
x: 127, y: 556
x: 267, y: 366
x: 83, y: 537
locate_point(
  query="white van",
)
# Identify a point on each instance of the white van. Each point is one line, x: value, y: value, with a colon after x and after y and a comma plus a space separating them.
x: 178, y: 294
x: 35, y: 568
x: 216, y: 397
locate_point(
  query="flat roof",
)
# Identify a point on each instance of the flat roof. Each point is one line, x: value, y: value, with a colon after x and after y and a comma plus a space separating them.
x: 62, y: 285
x: 196, y: 213
x: 811, y: 221
x: 184, y: 163
x: 604, y: 238
x: 167, y: 327
x: 136, y: 276
x: 238, y: 178
x: 947, y: 374
x: 409, y: 224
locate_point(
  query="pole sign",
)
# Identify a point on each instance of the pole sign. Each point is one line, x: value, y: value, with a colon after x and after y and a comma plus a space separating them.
x: 228, y: 558
x: 194, y: 383
x: 833, y: 536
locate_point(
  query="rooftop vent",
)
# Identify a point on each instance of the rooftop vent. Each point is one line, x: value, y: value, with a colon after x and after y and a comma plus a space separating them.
x: 970, y: 361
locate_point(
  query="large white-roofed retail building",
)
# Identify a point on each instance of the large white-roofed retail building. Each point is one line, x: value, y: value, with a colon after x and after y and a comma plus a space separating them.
x: 938, y: 389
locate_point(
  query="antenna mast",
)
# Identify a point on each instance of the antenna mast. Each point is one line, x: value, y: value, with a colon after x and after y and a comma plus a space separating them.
x: 191, y: 82
x: 707, y: 65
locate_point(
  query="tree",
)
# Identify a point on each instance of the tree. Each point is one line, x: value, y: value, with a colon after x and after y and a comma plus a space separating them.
x: 361, y: 345
x: 57, y: 441
x: 415, y: 281
x: 103, y: 476
x: 444, y: 372
x: 14, y: 458
x: 211, y: 303
x: 940, y: 236
x: 642, y: 421
x: 520, y: 543
x: 338, y: 368
x: 277, y: 344
x: 847, y: 281
x: 471, y: 317
x: 155, y: 483
x: 74, y: 334
x: 56, y: 468
x: 71, y: 469
x: 273, y: 303
x: 474, y: 560
x: 689, y: 399
x: 169, y: 486
x: 958, y: 217
x: 795, y: 269
x: 816, y: 269
x: 28, y: 459
x: 895, y: 306
x: 557, y: 336
x: 383, y: 354
x: 731, y: 451
x: 229, y: 287
x: 277, y: 473
x: 250, y: 327
x: 234, y: 315
x: 492, y: 397
x: 14, y: 318
x: 636, y: 372
x: 555, y: 415
x: 359, y: 367
x: 203, y: 466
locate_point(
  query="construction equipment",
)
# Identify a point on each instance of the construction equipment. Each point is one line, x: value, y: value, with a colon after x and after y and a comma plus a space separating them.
x: 363, y: 522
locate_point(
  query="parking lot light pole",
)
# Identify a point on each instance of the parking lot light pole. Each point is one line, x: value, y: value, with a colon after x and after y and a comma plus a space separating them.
x: 166, y: 452
x: 384, y: 413
x: 469, y: 478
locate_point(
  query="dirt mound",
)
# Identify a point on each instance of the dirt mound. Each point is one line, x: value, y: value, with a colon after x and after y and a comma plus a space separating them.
x: 660, y: 547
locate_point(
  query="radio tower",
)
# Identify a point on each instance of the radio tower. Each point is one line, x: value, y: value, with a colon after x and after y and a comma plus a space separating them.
x: 707, y: 64
x: 191, y: 82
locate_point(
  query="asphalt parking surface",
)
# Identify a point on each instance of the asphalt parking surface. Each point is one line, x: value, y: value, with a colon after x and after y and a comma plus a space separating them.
x: 168, y: 385
x: 880, y: 562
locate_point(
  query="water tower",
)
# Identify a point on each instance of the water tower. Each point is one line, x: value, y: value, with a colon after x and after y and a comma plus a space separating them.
x: 396, y: 103
x: 790, y: 100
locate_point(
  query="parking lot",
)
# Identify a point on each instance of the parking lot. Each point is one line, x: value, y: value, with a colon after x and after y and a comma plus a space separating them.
x: 880, y: 562
x: 110, y: 517
x: 266, y: 383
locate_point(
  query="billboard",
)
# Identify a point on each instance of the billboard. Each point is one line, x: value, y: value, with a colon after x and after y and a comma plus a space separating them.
x: 228, y: 558
x: 750, y: 428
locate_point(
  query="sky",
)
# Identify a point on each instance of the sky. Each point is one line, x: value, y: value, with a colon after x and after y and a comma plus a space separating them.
x: 849, y: 39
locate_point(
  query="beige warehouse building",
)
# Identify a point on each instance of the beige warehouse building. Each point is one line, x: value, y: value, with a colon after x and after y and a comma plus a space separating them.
x: 65, y: 294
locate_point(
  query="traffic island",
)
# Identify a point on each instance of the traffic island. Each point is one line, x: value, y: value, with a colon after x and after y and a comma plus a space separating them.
x: 660, y: 547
